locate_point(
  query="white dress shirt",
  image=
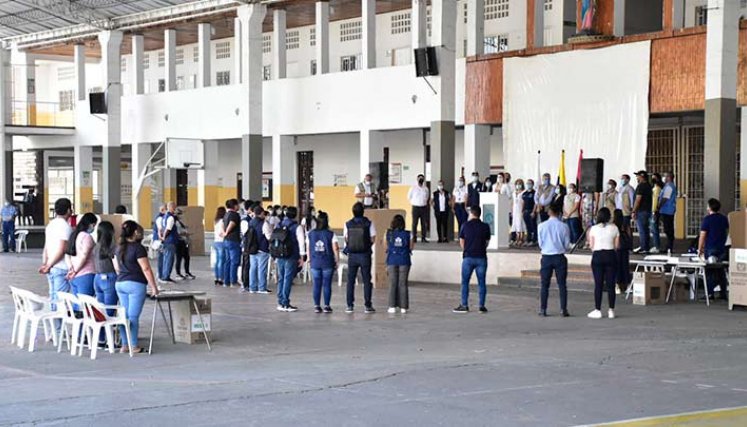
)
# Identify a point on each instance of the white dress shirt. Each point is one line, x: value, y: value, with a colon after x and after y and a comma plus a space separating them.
x: 418, y: 195
x: 460, y: 194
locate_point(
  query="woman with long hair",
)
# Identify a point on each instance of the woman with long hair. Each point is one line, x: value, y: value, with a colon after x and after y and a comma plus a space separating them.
x: 324, y: 256
x: 218, y: 245
x: 79, y: 256
x: 398, y: 262
x: 134, y: 275
x: 623, y: 278
x: 604, y: 240
x: 106, y: 276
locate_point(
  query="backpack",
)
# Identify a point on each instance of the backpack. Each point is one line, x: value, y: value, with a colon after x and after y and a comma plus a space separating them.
x: 249, y: 242
x: 281, y: 243
x: 359, y: 240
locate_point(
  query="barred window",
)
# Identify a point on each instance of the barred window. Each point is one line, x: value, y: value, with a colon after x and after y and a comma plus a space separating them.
x: 146, y: 61
x: 312, y: 36
x: 223, y: 78
x: 161, y: 59
x: 123, y: 66
x: 548, y: 4
x: 401, y: 23
x: 222, y: 50
x: 179, y: 56
x: 292, y: 39
x: 267, y: 72
x: 495, y: 9
x: 196, y: 54
x: 66, y: 100
x: 65, y: 73
x: 350, y: 31
x: 267, y: 43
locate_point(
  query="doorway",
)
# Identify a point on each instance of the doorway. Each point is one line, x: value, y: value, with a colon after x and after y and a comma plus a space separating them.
x: 305, y: 179
x: 182, y: 187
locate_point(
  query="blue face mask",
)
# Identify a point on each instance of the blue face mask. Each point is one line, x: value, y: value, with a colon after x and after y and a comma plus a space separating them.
x: 530, y: 186
x: 546, y: 181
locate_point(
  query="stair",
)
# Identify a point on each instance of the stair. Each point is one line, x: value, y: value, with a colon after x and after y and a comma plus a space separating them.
x: 579, y: 279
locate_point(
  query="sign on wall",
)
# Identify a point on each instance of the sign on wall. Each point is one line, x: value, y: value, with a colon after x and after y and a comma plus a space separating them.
x: 395, y: 173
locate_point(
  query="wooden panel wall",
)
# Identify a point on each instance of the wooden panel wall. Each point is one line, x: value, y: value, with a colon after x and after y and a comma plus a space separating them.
x: 484, y: 92
x: 605, y: 21
x: 678, y: 74
x: 742, y: 68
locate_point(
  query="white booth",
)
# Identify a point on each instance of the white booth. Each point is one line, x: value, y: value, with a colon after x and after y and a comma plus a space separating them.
x: 495, y: 208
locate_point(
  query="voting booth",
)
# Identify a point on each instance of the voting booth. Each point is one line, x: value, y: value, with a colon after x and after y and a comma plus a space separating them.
x: 495, y: 208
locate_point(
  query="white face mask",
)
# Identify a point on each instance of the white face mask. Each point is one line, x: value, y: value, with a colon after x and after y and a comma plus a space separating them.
x: 440, y: 187
x: 557, y: 190
x: 610, y: 187
x: 487, y: 183
x: 368, y: 182
x: 475, y: 179
x: 500, y: 179
x: 571, y: 190
x: 519, y: 187
x: 461, y: 183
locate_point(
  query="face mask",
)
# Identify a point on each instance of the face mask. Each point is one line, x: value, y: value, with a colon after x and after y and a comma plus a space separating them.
x: 500, y: 180
x: 557, y: 191
x: 421, y: 181
x: 530, y: 186
x: 623, y: 182
x: 487, y: 183
x: 571, y: 190
x: 475, y: 179
x: 546, y: 181
x: 519, y: 187
x: 461, y: 183
x: 440, y: 187
x: 368, y: 182
x: 610, y: 187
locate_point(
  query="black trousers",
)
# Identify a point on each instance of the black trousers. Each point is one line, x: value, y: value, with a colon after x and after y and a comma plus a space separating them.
x: 668, y: 222
x: 559, y: 265
x: 360, y: 262
x: 182, y: 254
x: 604, y: 268
x: 419, y: 213
x: 442, y: 219
x: 245, y: 265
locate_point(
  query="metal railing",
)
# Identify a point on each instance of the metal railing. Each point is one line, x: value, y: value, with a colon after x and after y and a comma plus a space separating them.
x: 39, y: 113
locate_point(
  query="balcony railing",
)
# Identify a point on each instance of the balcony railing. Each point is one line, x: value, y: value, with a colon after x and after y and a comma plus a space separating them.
x: 36, y: 113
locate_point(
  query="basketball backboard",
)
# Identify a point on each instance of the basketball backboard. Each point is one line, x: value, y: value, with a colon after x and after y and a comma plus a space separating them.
x: 185, y: 153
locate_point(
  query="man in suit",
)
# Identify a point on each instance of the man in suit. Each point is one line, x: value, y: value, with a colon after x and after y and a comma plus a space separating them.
x: 441, y: 202
x: 473, y: 191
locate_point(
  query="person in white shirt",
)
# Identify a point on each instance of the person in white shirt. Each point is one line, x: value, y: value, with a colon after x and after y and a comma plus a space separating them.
x: 366, y: 193
x: 419, y: 198
x: 441, y: 203
x: 604, y: 239
x: 56, y: 235
x: 543, y: 198
x: 625, y: 198
x: 518, y: 226
x: 459, y: 198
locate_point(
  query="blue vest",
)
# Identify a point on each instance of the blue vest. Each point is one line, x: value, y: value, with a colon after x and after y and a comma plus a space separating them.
x: 367, y: 224
x: 262, y: 244
x: 670, y: 207
x: 398, y: 248
x: 320, y: 249
x: 156, y: 223
x: 292, y: 227
x: 173, y: 236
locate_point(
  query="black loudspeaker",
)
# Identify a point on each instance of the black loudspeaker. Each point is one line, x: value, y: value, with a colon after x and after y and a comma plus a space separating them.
x: 426, y: 63
x: 97, y: 102
x: 592, y: 176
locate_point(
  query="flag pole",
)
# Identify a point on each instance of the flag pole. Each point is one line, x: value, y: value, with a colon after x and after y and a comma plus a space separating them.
x: 539, y: 176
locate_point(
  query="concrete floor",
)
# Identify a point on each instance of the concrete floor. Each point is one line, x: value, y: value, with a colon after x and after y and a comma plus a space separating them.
x: 430, y: 367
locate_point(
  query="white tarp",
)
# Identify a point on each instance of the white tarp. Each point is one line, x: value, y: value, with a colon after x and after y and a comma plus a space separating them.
x: 591, y: 100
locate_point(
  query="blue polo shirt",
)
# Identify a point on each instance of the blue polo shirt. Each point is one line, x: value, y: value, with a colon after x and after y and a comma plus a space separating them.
x: 716, y: 227
x: 553, y: 236
x: 476, y: 235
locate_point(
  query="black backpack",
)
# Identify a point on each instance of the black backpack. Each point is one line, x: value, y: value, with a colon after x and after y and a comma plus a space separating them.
x: 250, y: 243
x: 281, y: 243
x: 359, y: 239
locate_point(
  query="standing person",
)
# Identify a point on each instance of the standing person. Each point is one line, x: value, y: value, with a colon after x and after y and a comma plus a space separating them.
x: 156, y: 227
x: 543, y: 198
x: 169, y: 238
x: 8, y: 215
x: 249, y: 247
x: 218, y: 233
x: 324, y: 255
x: 56, y: 236
x: 609, y: 197
x: 134, y: 275
x: 81, y: 268
x: 398, y: 262
x: 554, y: 238
x: 528, y: 213
x: 231, y: 244
x: 518, y: 226
x: 571, y: 212
x: 642, y: 210
x: 712, y: 243
x: 359, y: 234
x: 604, y: 240
x: 29, y: 211
x: 622, y: 260
x: 288, y: 246
x: 182, y: 248
x: 473, y: 191
x: 656, y: 188
x: 625, y: 198
x: 459, y: 199
x: 367, y: 193
x: 441, y: 209
x: 474, y: 238
x: 106, y: 277
x: 419, y: 198
x: 667, y: 208
x: 262, y: 228
x: 487, y: 185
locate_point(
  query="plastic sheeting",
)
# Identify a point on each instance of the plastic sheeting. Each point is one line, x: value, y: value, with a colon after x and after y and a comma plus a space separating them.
x: 595, y: 100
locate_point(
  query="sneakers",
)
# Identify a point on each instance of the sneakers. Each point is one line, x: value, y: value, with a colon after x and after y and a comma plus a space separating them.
x: 654, y: 250
x: 369, y: 310
x: 179, y: 275
x: 461, y: 309
x: 391, y: 310
x: 245, y: 291
x: 349, y: 309
x: 281, y: 308
x: 317, y: 309
x: 611, y: 313
x: 618, y: 291
x: 483, y: 309
x: 596, y: 314
x: 327, y: 309
x: 266, y: 291
x: 566, y: 313
x: 403, y: 310
x: 289, y: 308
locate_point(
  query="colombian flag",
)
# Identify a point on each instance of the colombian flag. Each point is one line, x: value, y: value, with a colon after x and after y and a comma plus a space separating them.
x: 561, y: 172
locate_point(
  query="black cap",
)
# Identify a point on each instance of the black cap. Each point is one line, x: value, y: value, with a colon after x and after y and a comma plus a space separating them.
x: 258, y: 210
x: 641, y: 173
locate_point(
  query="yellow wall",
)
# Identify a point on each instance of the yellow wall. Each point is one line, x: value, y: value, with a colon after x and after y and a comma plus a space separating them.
x: 83, y: 199
x: 398, y: 198
x: 211, y: 204
x: 144, y: 214
x: 743, y: 193
x: 336, y: 201
x: 169, y: 194
x: 192, y: 196
x: 284, y: 194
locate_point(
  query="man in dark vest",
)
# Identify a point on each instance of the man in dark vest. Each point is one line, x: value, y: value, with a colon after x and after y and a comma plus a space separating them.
x: 359, y: 234
x: 441, y: 202
x: 473, y: 191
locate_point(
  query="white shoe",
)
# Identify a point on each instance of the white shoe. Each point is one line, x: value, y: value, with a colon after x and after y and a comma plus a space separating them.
x: 596, y: 314
x: 611, y: 313
x: 403, y: 311
x: 617, y: 290
x: 637, y: 250
x: 391, y: 310
x: 654, y: 250
x: 281, y: 308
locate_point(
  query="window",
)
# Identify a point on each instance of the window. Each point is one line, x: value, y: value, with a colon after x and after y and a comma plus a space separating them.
x: 701, y: 15
x: 350, y: 31
x: 179, y: 56
x: 312, y: 36
x: 123, y: 67
x: 65, y: 73
x: 401, y: 23
x: 223, y: 50
x: 466, y: 12
x: 495, y: 44
x: 161, y: 85
x: 267, y: 72
x: 267, y: 43
x: 495, y: 9
x: 292, y: 39
x: 428, y: 22
x: 548, y: 5
x: 180, y: 83
x: 161, y: 59
x: 313, y: 67
x: 192, y: 81
x: 196, y: 54
x: 223, y: 78
x: 348, y: 63
x: 146, y: 61
x: 66, y: 100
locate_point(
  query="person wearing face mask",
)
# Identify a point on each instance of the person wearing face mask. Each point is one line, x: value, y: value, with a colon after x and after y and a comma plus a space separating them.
x: 419, y: 198
x: 571, y: 214
x: 558, y: 197
x: 366, y: 193
x: 488, y: 185
x: 714, y: 230
x: 459, y: 199
x: 625, y: 198
x: 79, y: 256
x: 667, y: 208
x: 441, y: 203
x: 518, y: 226
x: 609, y: 197
x: 543, y: 198
x: 8, y: 215
x: 657, y: 186
x: 473, y: 191
x: 642, y: 210
x: 530, y: 218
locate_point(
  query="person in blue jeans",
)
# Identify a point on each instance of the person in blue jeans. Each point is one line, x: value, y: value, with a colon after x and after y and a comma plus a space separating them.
x: 324, y: 253
x: 106, y: 276
x: 642, y: 208
x: 474, y: 238
x: 359, y: 234
x: 231, y: 244
x: 134, y: 276
x: 8, y: 216
x: 169, y: 239
x: 218, y: 245
x: 289, y: 265
x: 258, y: 262
x: 56, y: 236
x: 398, y: 262
x: 79, y: 257
x: 712, y: 243
x: 554, y: 237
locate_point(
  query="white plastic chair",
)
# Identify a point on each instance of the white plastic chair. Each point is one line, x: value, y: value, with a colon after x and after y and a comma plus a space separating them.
x: 21, y: 240
x: 67, y: 303
x: 18, y: 320
x: 35, y: 316
x: 92, y: 309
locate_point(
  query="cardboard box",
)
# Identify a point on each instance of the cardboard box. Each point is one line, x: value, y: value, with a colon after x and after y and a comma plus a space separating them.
x: 187, y: 326
x: 737, y: 277
x: 738, y: 229
x: 382, y: 219
x: 194, y: 218
x: 649, y: 288
x: 681, y: 292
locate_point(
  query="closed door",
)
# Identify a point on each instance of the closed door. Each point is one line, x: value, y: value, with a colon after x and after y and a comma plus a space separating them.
x: 305, y: 179
x: 182, y: 188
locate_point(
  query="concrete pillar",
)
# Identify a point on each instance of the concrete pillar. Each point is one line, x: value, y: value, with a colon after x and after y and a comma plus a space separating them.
x: 283, y: 159
x: 237, y: 50
x: 203, y: 55
x: 475, y: 27
x: 535, y: 23
x: 6, y: 160
x: 369, y: 151
x: 251, y: 17
x: 24, y: 95
x: 477, y: 149
x: 322, y: 37
x: 722, y: 39
x: 279, y: 57
x: 368, y: 32
x: 169, y: 48
x: 168, y: 178
x: 419, y: 24
x: 111, y: 139
x: 141, y: 200
x: 138, y: 70
x: 209, y: 185
x: 6, y: 176
x: 83, y: 170
x: 79, y: 60
x: 618, y: 20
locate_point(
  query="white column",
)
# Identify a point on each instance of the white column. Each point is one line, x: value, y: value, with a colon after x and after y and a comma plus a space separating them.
x: 169, y: 47
x: 477, y: 149
x: 111, y: 43
x: 322, y: 37
x: 444, y: 38
x: 203, y: 55
x: 368, y: 39
x: 419, y: 24
x: 283, y: 159
x: 237, y: 50
x: 279, y: 58
x: 678, y: 14
x: 618, y: 22
x: 138, y: 70
x: 6, y: 176
x: 475, y: 27
x: 141, y: 192
x: 369, y: 143
x: 539, y: 23
x: 79, y: 59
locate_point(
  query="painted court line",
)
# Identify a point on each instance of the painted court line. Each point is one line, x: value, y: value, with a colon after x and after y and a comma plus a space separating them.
x: 725, y: 417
